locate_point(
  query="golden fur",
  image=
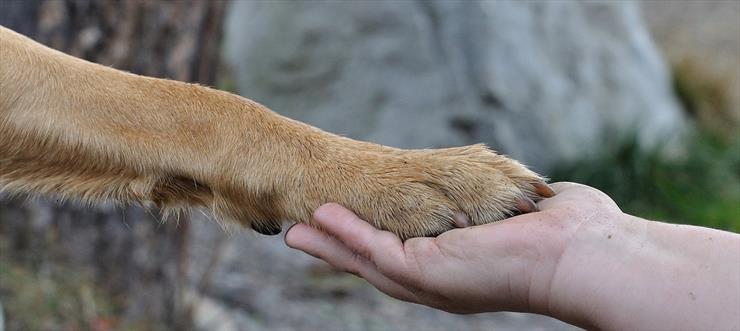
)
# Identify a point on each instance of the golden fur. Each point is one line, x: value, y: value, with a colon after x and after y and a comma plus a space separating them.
x: 77, y: 129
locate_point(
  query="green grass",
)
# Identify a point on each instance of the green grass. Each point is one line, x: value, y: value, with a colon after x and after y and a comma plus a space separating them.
x: 700, y: 188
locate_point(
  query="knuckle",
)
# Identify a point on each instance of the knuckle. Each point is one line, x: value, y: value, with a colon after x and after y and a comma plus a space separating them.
x: 355, y: 265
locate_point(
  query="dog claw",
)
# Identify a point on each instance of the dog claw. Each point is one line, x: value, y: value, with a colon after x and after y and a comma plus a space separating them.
x: 268, y: 229
x: 461, y: 219
x: 526, y: 205
x: 544, y: 190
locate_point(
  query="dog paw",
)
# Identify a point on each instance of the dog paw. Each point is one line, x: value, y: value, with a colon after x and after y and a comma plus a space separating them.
x: 411, y: 193
x: 415, y: 193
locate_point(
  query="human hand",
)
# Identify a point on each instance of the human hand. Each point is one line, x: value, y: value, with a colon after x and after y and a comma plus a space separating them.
x: 508, y: 265
x: 580, y: 259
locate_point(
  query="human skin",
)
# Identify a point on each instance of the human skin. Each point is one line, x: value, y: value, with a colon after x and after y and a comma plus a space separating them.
x: 579, y: 259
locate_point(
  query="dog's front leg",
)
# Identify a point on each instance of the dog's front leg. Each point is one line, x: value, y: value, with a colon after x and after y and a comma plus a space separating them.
x: 77, y: 129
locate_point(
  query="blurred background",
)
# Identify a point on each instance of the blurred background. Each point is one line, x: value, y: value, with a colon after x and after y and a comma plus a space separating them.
x: 639, y: 99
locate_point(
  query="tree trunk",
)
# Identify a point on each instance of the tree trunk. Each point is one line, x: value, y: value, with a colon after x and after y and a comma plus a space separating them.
x: 139, y: 259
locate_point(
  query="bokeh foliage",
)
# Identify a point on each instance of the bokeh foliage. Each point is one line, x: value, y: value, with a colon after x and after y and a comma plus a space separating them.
x: 700, y: 187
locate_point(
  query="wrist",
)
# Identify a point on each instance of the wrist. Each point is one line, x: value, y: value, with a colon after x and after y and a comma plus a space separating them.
x: 588, y: 275
x: 629, y: 273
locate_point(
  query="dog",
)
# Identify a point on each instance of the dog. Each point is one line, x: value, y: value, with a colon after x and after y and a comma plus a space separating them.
x: 76, y: 129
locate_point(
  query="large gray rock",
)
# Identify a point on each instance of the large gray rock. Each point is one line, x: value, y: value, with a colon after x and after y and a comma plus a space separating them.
x: 541, y: 81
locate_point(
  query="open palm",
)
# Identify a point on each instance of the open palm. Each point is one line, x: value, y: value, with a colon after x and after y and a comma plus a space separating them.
x: 508, y: 265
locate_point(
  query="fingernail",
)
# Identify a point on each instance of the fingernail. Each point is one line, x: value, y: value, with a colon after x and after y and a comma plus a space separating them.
x: 287, y: 233
x: 290, y: 227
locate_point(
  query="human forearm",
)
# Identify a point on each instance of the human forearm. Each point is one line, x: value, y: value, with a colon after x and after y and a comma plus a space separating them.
x: 630, y: 273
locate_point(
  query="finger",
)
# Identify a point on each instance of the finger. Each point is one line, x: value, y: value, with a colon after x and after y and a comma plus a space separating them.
x: 577, y: 195
x: 327, y: 248
x: 383, y: 248
x: 565, y: 186
x: 320, y: 245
